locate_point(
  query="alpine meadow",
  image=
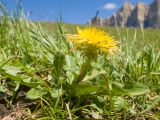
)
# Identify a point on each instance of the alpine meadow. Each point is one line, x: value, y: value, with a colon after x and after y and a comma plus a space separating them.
x: 60, y: 71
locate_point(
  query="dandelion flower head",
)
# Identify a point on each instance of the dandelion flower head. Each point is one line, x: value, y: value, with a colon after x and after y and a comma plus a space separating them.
x: 92, y: 41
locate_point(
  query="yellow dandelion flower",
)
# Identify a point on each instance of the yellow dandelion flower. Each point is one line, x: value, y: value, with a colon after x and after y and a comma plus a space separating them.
x: 92, y: 40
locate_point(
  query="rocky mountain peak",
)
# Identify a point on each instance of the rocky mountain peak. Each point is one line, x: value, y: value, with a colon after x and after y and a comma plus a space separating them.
x: 127, y: 6
x: 133, y: 16
x: 138, y: 15
x: 153, y: 17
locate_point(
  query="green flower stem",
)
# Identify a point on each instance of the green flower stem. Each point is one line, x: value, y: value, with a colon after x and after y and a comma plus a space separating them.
x: 84, y: 69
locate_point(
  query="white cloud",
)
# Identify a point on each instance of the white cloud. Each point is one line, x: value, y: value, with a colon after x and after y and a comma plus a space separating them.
x: 110, y: 6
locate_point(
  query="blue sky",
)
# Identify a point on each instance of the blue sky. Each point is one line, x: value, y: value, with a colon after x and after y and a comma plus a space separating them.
x: 72, y: 11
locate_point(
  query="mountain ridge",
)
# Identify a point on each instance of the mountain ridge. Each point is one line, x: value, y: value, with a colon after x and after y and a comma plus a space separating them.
x: 132, y: 16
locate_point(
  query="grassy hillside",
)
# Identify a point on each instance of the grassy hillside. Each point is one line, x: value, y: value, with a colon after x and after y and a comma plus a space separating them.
x: 38, y: 70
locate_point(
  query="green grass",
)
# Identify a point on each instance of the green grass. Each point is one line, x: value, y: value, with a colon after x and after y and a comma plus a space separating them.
x: 35, y: 59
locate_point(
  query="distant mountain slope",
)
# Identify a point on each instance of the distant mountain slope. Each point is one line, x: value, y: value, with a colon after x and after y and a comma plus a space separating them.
x: 132, y: 16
